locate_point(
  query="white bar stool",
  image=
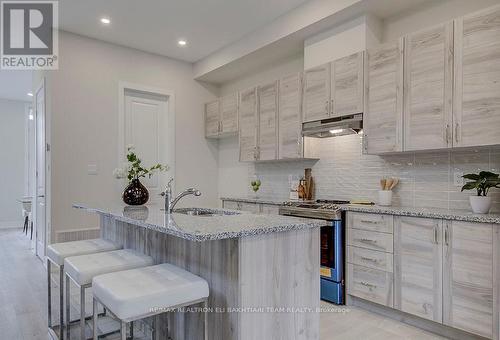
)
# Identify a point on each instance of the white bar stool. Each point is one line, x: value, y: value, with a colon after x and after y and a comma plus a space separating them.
x: 82, y: 269
x: 56, y: 253
x: 140, y: 293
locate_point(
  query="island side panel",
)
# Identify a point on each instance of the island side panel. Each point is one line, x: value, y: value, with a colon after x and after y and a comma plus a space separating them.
x: 280, y: 270
x: 215, y: 261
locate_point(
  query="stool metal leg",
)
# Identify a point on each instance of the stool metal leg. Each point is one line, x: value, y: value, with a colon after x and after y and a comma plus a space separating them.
x: 68, y: 312
x: 205, y: 312
x: 82, y: 313
x: 123, y: 330
x: 94, y: 319
x: 61, y: 302
x: 131, y: 329
x: 49, y: 295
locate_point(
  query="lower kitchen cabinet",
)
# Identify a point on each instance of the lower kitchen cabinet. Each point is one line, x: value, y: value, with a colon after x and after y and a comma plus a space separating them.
x: 444, y: 271
x: 370, y: 284
x: 471, y: 266
x: 418, y: 267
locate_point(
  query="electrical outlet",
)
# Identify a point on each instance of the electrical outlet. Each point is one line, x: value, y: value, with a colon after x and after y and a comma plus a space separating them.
x: 458, y: 181
x: 92, y: 169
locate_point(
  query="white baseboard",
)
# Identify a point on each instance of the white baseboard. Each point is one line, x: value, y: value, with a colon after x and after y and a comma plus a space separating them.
x: 11, y: 224
x: 77, y: 234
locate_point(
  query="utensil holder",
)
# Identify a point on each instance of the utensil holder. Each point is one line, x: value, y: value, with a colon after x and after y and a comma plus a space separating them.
x: 385, y: 197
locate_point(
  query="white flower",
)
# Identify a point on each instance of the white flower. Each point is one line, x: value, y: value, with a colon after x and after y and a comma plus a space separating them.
x: 119, y: 173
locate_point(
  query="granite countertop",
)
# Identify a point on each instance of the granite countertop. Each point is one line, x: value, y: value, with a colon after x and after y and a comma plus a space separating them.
x: 254, y: 200
x: 202, y: 228
x: 451, y: 214
x: 447, y: 214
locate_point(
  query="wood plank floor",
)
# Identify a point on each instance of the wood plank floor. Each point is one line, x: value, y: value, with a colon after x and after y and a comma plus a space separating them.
x: 23, y: 306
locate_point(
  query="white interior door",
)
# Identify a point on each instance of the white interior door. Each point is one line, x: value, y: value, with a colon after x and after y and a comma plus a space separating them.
x: 40, y: 177
x: 146, y: 127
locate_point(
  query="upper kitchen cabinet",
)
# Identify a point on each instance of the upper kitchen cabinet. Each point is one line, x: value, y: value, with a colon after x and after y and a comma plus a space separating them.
x: 221, y: 117
x: 290, y: 117
x: 383, y: 115
x: 212, y: 123
x: 267, y: 147
x: 316, y: 93
x: 248, y: 125
x: 347, y: 85
x: 428, y: 88
x: 477, y: 79
x: 229, y: 114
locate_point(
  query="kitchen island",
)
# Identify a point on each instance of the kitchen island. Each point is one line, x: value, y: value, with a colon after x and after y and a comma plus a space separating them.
x: 262, y: 270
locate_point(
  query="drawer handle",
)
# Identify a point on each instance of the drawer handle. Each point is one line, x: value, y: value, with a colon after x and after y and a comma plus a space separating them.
x: 369, y: 259
x: 367, y: 240
x: 368, y: 285
x: 369, y: 222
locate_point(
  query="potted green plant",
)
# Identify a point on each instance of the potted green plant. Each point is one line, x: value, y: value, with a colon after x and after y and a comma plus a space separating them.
x: 482, y: 182
x: 135, y: 193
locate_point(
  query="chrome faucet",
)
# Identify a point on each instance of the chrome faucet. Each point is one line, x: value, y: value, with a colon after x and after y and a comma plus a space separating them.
x: 169, y: 202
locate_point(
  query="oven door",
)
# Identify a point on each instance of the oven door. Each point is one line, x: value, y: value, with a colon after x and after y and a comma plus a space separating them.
x: 332, y: 252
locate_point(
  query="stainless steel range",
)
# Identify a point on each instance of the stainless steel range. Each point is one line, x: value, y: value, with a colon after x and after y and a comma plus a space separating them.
x: 332, y: 242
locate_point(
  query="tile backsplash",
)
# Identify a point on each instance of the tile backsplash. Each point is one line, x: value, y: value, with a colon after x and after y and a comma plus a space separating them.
x: 343, y: 172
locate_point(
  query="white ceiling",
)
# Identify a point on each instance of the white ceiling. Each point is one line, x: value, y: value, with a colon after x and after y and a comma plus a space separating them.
x: 156, y: 25
x: 15, y: 85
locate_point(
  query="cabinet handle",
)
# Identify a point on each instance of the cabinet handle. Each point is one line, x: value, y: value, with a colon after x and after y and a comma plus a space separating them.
x: 331, y: 106
x: 367, y: 285
x: 436, y: 235
x: 327, y: 107
x: 367, y: 240
x: 369, y: 259
x: 456, y: 132
x: 369, y: 222
x: 365, y: 142
x: 447, y: 133
x: 446, y: 241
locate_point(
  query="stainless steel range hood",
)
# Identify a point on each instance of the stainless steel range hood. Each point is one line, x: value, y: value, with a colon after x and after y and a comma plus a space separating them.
x: 333, y: 127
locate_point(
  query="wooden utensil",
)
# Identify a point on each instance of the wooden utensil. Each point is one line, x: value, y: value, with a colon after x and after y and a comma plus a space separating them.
x: 388, y: 183
x: 382, y: 183
x: 394, y: 183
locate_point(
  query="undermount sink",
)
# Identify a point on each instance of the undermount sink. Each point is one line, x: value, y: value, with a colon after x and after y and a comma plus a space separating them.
x: 204, y: 212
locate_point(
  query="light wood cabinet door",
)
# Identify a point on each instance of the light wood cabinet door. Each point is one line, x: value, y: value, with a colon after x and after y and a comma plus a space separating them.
x: 418, y: 267
x: 212, y: 114
x: 316, y: 93
x: 290, y: 117
x: 347, y: 85
x: 428, y: 88
x: 267, y: 147
x: 477, y: 79
x: 383, y: 115
x: 248, y: 125
x: 229, y: 114
x: 470, y: 283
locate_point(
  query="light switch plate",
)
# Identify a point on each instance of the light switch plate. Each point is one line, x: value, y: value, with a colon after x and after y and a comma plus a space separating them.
x: 92, y: 169
x: 458, y: 181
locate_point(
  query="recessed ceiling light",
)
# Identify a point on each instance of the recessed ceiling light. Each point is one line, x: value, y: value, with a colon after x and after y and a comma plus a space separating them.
x: 30, y: 94
x: 106, y: 21
x: 182, y: 42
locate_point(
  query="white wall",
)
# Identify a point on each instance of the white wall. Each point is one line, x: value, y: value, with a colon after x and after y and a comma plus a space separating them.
x: 83, y: 106
x: 12, y: 141
x: 343, y: 40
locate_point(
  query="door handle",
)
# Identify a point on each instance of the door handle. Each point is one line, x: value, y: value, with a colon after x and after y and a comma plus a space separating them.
x: 41, y: 196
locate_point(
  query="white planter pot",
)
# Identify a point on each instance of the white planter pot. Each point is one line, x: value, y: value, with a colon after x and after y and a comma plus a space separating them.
x: 480, y: 204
